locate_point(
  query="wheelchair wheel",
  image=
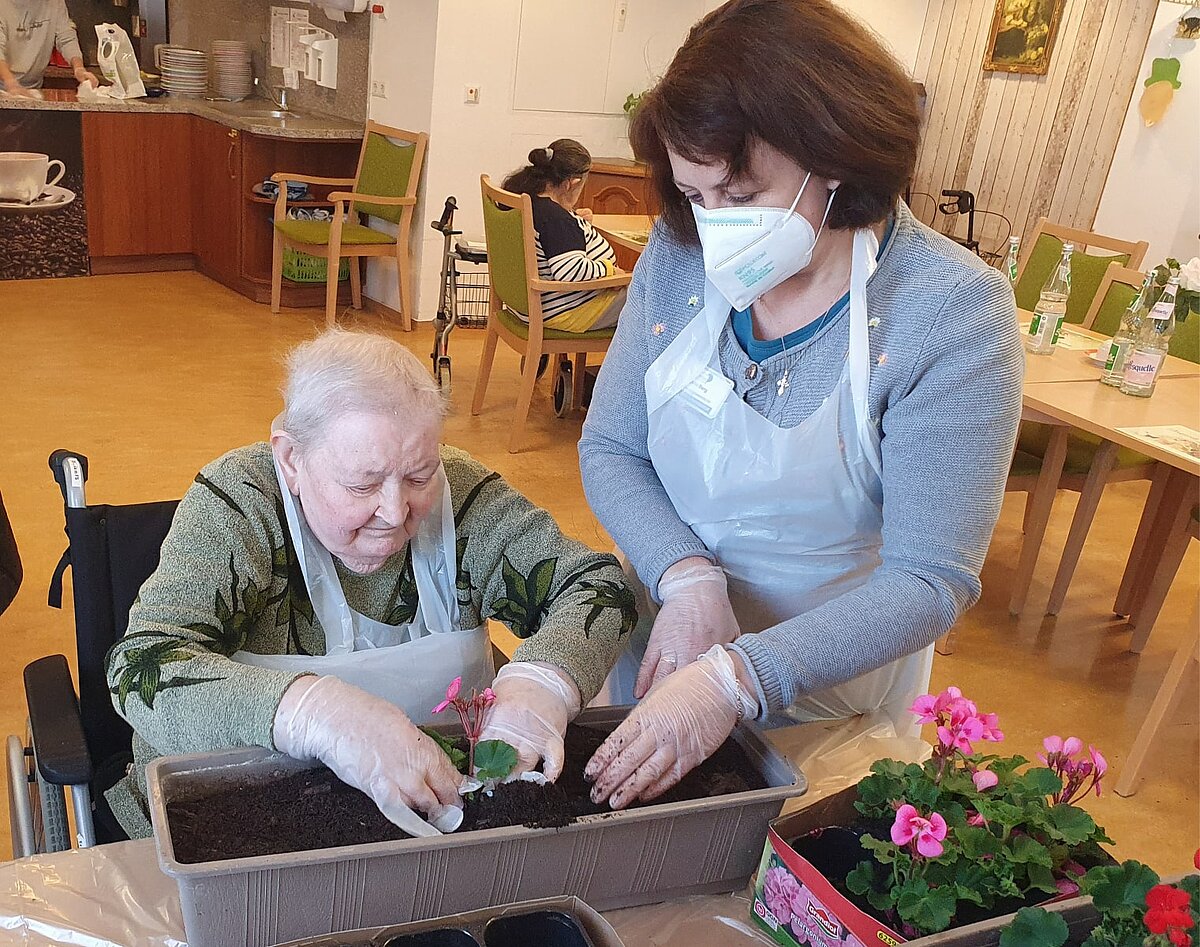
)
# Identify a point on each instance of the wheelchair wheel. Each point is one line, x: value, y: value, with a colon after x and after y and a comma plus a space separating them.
x: 443, y: 375
x: 54, y: 834
x: 563, y: 388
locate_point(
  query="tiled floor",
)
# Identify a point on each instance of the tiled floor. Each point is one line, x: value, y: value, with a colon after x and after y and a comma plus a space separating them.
x: 153, y: 375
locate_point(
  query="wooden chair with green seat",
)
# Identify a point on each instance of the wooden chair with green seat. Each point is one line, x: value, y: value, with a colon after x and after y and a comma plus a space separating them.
x: 1043, y: 251
x: 384, y: 186
x: 515, y: 304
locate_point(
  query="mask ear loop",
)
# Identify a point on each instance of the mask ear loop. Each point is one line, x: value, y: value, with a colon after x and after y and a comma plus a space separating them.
x: 825, y: 216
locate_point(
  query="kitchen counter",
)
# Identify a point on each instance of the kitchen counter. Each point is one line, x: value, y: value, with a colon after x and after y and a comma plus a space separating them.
x: 252, y: 115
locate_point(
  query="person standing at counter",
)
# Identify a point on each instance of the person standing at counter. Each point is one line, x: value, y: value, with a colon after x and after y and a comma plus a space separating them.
x: 801, y: 432
x: 29, y: 32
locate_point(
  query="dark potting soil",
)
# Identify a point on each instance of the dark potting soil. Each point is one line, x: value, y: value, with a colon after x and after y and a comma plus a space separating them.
x: 313, y: 809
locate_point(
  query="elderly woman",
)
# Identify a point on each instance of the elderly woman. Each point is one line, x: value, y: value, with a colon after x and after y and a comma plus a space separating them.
x: 801, y: 433
x: 317, y: 594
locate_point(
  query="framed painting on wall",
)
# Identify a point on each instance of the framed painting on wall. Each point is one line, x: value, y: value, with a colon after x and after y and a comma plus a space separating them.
x: 1022, y: 36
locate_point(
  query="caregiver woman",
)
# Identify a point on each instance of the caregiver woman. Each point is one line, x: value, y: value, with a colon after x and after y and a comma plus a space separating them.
x: 801, y: 432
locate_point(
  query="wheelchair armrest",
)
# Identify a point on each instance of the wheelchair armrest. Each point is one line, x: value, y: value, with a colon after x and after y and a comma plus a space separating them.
x: 55, y: 724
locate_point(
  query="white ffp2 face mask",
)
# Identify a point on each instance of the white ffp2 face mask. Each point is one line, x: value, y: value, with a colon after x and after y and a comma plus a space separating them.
x: 748, y: 251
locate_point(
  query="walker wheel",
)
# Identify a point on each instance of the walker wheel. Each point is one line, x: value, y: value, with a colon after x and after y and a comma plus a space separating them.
x: 563, y: 389
x: 443, y: 374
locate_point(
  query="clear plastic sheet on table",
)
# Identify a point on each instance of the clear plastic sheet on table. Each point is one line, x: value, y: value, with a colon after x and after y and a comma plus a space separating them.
x: 116, y: 895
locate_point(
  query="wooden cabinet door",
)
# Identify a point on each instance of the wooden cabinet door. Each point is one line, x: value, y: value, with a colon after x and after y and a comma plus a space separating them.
x: 217, y: 192
x: 137, y: 174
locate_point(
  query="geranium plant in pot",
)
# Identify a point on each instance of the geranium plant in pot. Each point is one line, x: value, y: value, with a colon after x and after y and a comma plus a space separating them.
x: 1133, y: 908
x: 971, y: 835
x: 964, y: 837
x: 485, y: 761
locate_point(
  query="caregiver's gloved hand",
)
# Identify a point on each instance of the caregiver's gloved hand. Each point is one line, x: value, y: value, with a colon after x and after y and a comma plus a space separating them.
x: 371, y: 745
x: 695, y: 615
x: 678, y: 726
x: 534, y: 703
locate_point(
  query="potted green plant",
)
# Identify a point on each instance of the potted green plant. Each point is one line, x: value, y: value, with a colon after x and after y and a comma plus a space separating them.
x: 1132, y: 908
x: 915, y: 849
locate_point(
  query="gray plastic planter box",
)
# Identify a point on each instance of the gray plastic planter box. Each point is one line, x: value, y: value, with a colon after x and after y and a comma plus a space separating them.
x: 611, y: 860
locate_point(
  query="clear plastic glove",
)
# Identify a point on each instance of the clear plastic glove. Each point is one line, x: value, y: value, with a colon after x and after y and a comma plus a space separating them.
x: 676, y: 728
x: 534, y: 704
x: 695, y: 615
x: 372, y: 745
x: 83, y: 77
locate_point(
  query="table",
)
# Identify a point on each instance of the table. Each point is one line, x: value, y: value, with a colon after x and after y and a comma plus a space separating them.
x: 116, y: 894
x: 627, y: 233
x: 1069, y: 362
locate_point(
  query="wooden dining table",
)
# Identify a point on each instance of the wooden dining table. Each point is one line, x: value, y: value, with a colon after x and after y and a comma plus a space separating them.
x: 627, y: 233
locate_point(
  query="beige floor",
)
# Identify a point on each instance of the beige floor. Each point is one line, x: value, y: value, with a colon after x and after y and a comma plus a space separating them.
x: 152, y: 376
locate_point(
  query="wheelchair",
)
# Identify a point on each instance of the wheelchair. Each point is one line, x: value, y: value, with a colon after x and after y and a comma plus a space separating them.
x: 80, y: 743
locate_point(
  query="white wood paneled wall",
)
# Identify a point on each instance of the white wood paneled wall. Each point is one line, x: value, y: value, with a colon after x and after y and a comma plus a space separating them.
x: 1027, y: 146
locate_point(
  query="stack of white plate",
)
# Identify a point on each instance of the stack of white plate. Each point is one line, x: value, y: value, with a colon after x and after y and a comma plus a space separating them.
x: 184, y: 71
x: 229, y: 73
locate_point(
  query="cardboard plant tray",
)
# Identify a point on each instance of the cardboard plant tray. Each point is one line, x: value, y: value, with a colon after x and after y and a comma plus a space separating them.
x: 472, y: 928
x: 611, y: 860
x: 820, y: 916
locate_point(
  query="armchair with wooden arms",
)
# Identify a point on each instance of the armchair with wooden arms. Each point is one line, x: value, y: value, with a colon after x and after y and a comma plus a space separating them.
x: 384, y: 186
x: 515, y: 304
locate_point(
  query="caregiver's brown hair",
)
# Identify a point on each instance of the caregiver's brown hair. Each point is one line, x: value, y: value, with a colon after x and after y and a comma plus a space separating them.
x: 800, y: 75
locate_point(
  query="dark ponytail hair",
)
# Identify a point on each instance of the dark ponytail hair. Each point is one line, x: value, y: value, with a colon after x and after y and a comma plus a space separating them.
x: 550, y: 167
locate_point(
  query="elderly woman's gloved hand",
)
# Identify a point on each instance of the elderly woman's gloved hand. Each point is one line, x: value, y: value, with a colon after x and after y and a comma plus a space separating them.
x: 371, y: 745
x: 695, y: 615
x: 676, y: 728
x: 534, y: 704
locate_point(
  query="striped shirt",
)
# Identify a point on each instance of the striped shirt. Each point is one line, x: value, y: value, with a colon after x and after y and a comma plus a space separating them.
x: 571, y: 250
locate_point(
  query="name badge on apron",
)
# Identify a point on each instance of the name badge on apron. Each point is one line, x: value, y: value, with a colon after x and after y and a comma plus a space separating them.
x: 707, y: 392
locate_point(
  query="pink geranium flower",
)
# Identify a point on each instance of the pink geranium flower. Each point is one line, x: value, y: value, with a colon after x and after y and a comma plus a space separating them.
x: 926, y: 834
x: 984, y: 779
x: 451, y: 693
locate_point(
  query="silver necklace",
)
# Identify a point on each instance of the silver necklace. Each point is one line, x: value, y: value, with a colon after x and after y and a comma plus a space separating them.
x: 784, y: 383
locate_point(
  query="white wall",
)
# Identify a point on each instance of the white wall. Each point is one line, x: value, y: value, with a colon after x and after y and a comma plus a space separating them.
x: 428, y: 51
x: 403, y: 48
x: 1153, y: 187
x: 897, y: 22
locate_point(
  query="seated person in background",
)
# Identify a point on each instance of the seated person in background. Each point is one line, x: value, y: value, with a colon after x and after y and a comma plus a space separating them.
x: 568, y: 247
x: 29, y: 32
x: 317, y: 594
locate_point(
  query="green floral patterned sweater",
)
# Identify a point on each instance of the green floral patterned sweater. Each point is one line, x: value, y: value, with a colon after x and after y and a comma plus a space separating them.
x: 228, y: 580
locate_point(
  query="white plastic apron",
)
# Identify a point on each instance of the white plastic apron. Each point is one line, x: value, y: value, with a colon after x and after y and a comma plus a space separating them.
x: 408, y: 665
x: 793, y: 515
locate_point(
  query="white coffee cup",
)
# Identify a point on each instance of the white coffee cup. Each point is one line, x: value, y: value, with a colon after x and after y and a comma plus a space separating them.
x: 24, y: 175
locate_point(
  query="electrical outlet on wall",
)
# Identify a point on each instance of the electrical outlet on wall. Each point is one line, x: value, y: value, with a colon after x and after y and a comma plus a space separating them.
x: 379, y: 88
x: 471, y: 94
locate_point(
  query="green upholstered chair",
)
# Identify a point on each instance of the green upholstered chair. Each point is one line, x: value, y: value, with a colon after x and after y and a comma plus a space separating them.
x: 1044, y: 250
x: 384, y: 187
x: 1118, y: 288
x: 515, y: 304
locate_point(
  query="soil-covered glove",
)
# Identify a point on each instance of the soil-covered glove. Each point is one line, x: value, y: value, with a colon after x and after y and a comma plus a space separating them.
x: 676, y: 728
x: 695, y: 615
x: 371, y: 745
x: 534, y: 704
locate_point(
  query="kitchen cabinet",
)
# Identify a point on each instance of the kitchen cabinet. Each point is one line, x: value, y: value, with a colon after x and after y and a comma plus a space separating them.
x: 137, y: 169
x: 618, y: 186
x: 216, y: 190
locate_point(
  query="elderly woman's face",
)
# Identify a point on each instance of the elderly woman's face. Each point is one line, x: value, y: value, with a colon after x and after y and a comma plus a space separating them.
x: 366, y: 485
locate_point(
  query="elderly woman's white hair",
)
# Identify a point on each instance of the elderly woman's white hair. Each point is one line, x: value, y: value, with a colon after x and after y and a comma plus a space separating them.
x: 342, y: 371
